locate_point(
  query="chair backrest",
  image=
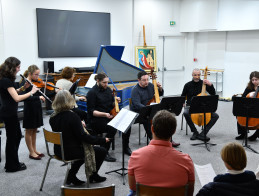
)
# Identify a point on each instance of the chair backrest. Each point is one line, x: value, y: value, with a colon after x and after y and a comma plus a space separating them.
x: 97, y: 191
x: 54, y: 138
x: 145, y: 190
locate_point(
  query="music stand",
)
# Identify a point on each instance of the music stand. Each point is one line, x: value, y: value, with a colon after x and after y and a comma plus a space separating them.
x: 246, y: 107
x: 73, y: 88
x: 173, y: 104
x: 204, y: 104
x: 122, y: 169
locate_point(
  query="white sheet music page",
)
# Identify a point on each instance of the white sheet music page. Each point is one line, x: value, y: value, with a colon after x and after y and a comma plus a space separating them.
x: 123, y: 119
x: 205, y: 173
x: 91, y: 81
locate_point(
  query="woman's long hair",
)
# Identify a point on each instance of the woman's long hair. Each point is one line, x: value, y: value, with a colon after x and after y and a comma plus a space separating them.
x: 8, y: 68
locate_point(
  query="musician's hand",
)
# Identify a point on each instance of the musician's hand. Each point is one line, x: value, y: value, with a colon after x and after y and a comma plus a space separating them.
x: 82, y: 98
x: 34, y: 89
x: 83, y: 123
x: 42, y: 98
x: 108, y: 115
x: 159, y: 86
x: 118, y: 99
x: 207, y: 82
x: 26, y: 85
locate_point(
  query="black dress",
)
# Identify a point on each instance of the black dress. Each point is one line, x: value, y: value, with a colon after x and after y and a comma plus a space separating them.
x: 32, y: 111
x: 8, y: 113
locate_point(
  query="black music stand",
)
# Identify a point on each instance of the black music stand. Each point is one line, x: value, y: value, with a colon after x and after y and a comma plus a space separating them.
x: 204, y: 104
x: 73, y: 88
x: 173, y: 104
x: 246, y: 107
x: 122, y: 169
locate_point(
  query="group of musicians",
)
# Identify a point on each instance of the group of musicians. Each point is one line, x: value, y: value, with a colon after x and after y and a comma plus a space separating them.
x: 100, y: 102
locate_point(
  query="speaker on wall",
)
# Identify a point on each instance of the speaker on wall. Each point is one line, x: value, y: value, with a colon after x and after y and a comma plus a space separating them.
x: 48, y: 65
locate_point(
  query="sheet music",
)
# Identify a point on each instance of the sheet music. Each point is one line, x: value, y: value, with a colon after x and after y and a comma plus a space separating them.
x: 205, y: 173
x: 123, y: 120
x: 91, y: 81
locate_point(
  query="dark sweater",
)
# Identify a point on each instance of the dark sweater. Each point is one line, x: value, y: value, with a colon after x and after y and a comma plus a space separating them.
x: 244, y: 184
x: 141, y: 96
x: 73, y: 134
x: 99, y: 99
x: 194, y: 88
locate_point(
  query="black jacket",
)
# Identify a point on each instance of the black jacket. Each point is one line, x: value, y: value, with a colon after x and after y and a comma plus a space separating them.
x: 73, y: 134
x: 244, y: 184
x: 192, y: 88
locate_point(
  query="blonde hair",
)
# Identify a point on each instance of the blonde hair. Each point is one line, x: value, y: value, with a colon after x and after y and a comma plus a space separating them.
x: 31, y: 69
x: 63, y: 101
x: 234, y: 155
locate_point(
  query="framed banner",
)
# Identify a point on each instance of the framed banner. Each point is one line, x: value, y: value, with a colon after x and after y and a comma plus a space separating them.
x: 145, y: 57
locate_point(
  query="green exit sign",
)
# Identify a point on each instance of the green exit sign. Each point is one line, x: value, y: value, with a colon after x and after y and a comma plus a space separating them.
x: 172, y: 23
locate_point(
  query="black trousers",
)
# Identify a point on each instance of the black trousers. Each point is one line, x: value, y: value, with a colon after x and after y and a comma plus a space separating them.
x: 13, y: 138
x: 100, y: 126
x: 214, y: 118
x: 100, y: 154
x: 241, y: 130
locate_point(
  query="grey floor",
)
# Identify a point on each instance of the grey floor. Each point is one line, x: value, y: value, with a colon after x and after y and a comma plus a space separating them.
x: 28, y: 182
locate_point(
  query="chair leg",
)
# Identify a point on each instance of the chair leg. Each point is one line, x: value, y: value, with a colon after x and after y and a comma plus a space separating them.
x: 182, y: 123
x: 88, y: 182
x: 186, y: 128
x: 45, y: 173
x: 138, y: 134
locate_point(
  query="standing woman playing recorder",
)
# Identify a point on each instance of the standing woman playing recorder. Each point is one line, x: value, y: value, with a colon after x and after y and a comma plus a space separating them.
x: 32, y: 114
x: 8, y: 111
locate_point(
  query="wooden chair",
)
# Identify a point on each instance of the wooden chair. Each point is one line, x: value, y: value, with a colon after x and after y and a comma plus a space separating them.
x: 144, y: 190
x: 97, y: 191
x: 56, y: 138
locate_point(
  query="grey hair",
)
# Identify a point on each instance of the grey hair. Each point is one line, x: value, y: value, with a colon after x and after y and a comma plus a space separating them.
x: 63, y: 102
x: 196, y: 69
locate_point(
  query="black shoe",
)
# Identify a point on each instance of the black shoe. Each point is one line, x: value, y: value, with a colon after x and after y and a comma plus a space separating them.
x: 22, y: 167
x: 127, y: 151
x: 74, y: 180
x: 108, y: 158
x: 201, y: 137
x: 174, y: 144
x: 254, y: 136
x: 96, y: 178
x: 241, y: 136
x: 194, y: 135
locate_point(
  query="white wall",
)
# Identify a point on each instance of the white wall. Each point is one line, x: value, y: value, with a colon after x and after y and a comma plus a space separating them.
x: 156, y: 16
x: 236, y: 52
x: 1, y: 35
x: 20, y: 33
